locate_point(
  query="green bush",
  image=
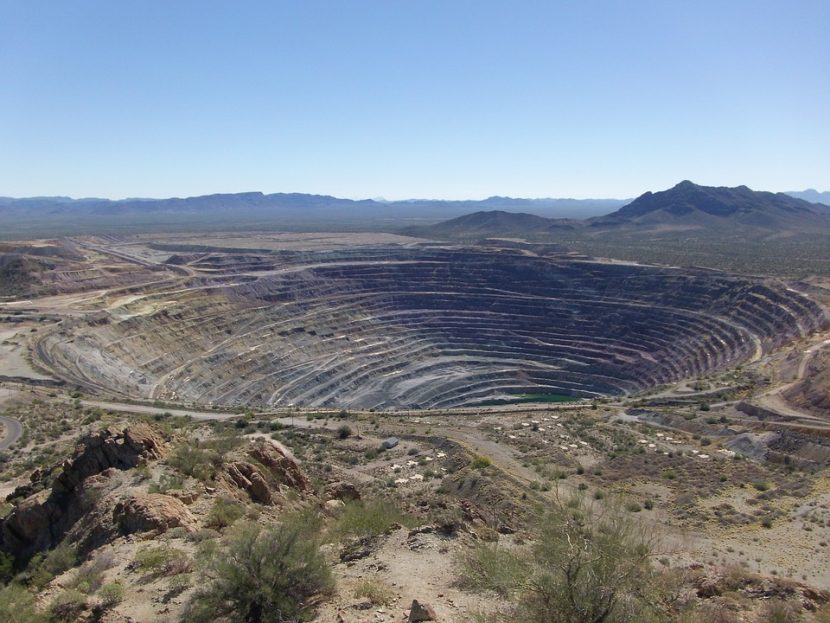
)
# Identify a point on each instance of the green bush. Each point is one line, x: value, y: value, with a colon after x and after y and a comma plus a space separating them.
x: 490, y: 567
x: 67, y: 607
x: 267, y: 575
x: 157, y: 559
x: 44, y: 568
x: 193, y: 461
x: 590, y: 566
x: 587, y: 567
x: 481, y: 462
x: 366, y: 519
x: 780, y: 612
x: 379, y: 593
x: 166, y: 483
x: 17, y: 605
x: 6, y: 567
x: 111, y: 594
x: 344, y: 432
x: 223, y: 513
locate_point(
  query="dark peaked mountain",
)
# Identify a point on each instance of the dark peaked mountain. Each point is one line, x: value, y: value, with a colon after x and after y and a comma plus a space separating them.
x: 690, y: 206
x: 685, y: 207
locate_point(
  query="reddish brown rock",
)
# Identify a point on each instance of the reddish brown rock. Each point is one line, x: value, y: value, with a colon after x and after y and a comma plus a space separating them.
x: 421, y: 612
x: 282, y: 467
x: 43, y: 519
x: 144, y: 440
x: 153, y: 512
x: 344, y: 491
x: 248, y: 478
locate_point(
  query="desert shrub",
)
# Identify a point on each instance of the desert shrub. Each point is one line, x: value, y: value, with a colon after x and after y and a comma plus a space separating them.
x: 89, y: 577
x: 67, y: 606
x: 633, y: 507
x: 587, y: 567
x: 262, y: 575
x: 205, y: 534
x: 590, y: 566
x: 480, y: 462
x: 6, y: 567
x: 344, y: 432
x: 366, y: 519
x: 481, y: 616
x: 379, y: 593
x: 716, y: 612
x: 161, y: 560
x: 111, y: 594
x: 780, y: 612
x: 17, y: 605
x: 178, y: 584
x: 224, y: 512
x: 194, y: 461
x: 166, y: 483
x: 490, y: 567
x: 761, y: 485
x: 44, y: 568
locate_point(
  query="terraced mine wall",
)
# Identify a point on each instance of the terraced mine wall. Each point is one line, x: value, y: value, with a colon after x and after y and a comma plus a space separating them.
x: 418, y: 327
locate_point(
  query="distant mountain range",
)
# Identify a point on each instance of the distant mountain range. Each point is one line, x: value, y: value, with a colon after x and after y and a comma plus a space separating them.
x: 55, y: 216
x: 812, y: 195
x: 685, y: 207
x: 289, y: 203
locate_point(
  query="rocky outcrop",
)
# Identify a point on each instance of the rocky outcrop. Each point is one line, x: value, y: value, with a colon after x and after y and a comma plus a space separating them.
x: 108, y: 449
x: 282, y: 467
x: 41, y: 520
x: 247, y: 477
x: 267, y: 471
x: 152, y: 512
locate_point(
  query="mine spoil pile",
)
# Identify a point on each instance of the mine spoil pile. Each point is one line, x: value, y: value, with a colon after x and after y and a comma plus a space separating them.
x: 422, y: 327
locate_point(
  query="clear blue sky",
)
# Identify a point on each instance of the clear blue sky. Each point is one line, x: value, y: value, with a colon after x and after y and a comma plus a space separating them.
x: 418, y: 98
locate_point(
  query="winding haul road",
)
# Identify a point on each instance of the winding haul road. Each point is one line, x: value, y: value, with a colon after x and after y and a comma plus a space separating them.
x: 13, y: 431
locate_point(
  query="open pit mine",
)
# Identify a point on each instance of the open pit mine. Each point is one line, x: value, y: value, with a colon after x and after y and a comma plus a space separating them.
x: 410, y: 325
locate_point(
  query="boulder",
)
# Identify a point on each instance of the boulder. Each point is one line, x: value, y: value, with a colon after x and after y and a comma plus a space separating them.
x: 152, y: 512
x: 421, y: 612
x: 344, y: 491
x: 333, y: 506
